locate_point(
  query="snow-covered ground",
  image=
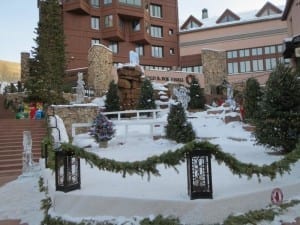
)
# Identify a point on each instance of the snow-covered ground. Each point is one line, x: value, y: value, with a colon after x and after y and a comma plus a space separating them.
x: 169, y: 187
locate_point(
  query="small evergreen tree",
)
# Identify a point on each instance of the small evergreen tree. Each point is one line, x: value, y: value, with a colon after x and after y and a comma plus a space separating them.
x: 47, y: 68
x: 146, y: 100
x: 197, y: 96
x: 278, y: 125
x: 252, y: 98
x: 102, y: 128
x: 178, y: 128
x: 112, y: 102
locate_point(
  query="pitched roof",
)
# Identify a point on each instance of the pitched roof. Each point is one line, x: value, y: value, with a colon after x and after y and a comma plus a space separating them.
x: 287, y: 9
x: 268, y: 9
x: 190, y: 20
x: 227, y: 16
x: 267, y: 12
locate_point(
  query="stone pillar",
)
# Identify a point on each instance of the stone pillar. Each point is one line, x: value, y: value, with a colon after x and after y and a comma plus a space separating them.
x: 24, y: 66
x: 100, y: 69
x: 214, y: 69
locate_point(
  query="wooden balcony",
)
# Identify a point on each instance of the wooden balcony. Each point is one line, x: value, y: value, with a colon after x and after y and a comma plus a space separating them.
x: 77, y: 6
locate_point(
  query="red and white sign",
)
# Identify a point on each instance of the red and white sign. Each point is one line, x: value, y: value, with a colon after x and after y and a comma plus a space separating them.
x: 277, y: 196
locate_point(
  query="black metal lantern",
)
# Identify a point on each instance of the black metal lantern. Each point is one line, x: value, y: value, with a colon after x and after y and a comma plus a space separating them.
x: 199, y: 174
x: 67, y: 171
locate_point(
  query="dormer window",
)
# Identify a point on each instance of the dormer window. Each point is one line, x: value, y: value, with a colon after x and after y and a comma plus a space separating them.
x: 268, y: 9
x: 228, y: 16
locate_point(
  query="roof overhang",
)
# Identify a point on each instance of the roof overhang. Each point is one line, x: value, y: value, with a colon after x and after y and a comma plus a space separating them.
x: 290, y: 45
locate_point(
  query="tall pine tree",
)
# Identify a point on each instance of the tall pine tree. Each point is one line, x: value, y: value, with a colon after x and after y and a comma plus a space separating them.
x: 252, y: 98
x: 197, y: 96
x: 47, y: 68
x: 178, y: 128
x: 278, y: 123
x: 146, y: 100
x: 112, y: 102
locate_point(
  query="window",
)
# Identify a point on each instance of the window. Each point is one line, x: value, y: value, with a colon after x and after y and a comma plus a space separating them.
x: 279, y: 48
x: 232, y: 68
x: 227, y: 18
x: 108, y: 21
x: 171, y: 31
x: 113, y: 46
x: 270, y: 63
x: 244, y: 52
x: 95, y: 23
x: 136, y: 26
x: 245, y: 66
x: 155, y: 11
x: 95, y: 3
x: 157, y: 51
x: 192, y: 24
x: 258, y: 65
x: 139, y: 49
x: 256, y: 51
x: 270, y: 49
x: 107, y: 2
x: 231, y: 54
x: 172, y: 51
x: 95, y: 42
x: 156, y: 31
x: 131, y: 2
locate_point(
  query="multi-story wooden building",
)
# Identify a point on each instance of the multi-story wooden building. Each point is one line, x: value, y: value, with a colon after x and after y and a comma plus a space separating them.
x: 150, y: 27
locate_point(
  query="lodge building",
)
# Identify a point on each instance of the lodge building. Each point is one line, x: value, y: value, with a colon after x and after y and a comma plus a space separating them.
x: 247, y: 44
x: 252, y: 41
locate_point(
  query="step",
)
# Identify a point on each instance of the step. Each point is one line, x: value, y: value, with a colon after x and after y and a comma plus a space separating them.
x: 15, y: 161
x: 8, y: 178
x: 19, y: 142
x: 12, y: 166
x: 10, y: 173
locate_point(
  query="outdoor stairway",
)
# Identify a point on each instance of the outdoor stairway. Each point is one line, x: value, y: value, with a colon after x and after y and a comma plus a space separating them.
x: 11, y: 142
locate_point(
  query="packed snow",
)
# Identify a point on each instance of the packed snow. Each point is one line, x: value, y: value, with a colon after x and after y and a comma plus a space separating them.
x: 170, y: 186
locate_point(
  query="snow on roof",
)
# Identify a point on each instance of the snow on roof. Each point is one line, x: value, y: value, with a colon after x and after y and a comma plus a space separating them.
x: 245, y: 17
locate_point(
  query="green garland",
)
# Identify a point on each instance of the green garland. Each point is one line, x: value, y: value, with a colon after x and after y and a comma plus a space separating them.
x: 175, y: 158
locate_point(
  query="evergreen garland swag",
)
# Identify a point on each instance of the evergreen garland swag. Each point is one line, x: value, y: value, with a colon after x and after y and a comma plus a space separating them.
x: 174, y: 158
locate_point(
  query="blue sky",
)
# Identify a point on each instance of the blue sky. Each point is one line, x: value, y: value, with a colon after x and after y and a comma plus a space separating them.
x: 18, y: 20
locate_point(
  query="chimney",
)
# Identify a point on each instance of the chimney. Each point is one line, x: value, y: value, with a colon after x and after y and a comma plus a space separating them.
x: 204, y: 13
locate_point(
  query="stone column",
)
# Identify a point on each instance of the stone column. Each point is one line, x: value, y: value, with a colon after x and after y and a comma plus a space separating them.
x: 214, y: 69
x: 24, y: 66
x: 99, y: 69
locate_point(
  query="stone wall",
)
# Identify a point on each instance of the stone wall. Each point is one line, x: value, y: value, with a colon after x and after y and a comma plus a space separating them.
x: 74, y: 114
x: 100, y: 69
x: 214, y: 69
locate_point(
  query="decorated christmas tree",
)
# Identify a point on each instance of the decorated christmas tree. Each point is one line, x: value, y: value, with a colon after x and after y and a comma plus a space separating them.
x: 102, y: 128
x: 178, y: 128
x: 197, y: 96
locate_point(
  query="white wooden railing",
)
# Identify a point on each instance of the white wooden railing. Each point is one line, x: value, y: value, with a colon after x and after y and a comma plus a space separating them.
x: 136, y: 114
x: 136, y: 118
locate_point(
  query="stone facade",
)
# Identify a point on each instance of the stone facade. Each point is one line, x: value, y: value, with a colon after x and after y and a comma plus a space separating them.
x: 74, y: 114
x: 24, y: 66
x: 129, y: 84
x: 100, y: 69
x: 214, y: 69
